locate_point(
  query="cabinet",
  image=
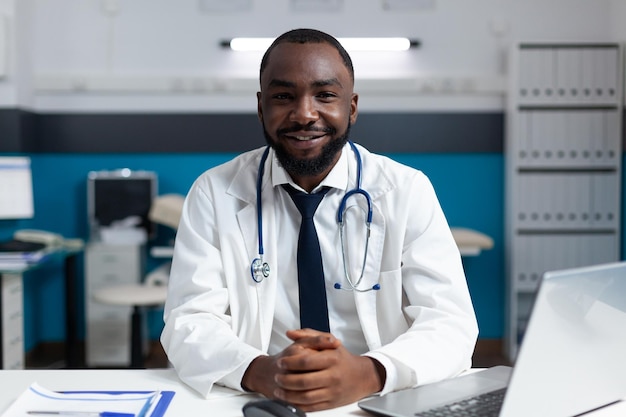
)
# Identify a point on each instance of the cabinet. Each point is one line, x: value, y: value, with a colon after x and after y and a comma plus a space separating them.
x: 12, y: 275
x: 563, y: 167
x: 108, y: 328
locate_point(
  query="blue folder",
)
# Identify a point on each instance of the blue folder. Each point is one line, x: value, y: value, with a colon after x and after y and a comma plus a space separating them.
x: 159, y: 409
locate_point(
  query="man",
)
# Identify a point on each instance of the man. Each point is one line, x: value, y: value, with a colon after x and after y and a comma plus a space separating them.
x: 408, y: 321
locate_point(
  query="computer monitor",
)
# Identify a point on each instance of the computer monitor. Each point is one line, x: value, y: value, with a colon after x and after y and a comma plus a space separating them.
x: 117, y: 195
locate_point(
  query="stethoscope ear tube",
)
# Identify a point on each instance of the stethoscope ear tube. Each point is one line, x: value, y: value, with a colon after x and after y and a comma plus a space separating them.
x: 344, y: 202
x: 259, y: 269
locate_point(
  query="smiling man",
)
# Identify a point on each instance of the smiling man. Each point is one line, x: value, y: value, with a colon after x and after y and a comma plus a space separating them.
x: 372, y: 304
x: 306, y: 107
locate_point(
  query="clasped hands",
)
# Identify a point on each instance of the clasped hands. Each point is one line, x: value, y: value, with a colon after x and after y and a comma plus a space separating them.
x: 315, y: 372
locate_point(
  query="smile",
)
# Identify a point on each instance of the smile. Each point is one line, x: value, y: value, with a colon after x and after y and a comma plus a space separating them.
x: 304, y: 138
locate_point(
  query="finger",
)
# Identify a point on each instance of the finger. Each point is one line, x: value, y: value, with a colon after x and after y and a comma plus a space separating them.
x: 306, y: 332
x: 307, y: 400
x: 309, y: 361
x: 310, y: 400
x: 304, y: 381
x: 314, y: 339
x: 295, y: 349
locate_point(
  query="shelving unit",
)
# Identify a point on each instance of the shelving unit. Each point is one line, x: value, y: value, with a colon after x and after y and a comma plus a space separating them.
x: 563, y: 166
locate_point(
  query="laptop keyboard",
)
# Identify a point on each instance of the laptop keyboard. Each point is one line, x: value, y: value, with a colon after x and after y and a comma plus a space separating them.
x: 483, y: 405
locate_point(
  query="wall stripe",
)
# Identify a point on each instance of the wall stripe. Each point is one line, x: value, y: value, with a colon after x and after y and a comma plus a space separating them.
x: 23, y: 131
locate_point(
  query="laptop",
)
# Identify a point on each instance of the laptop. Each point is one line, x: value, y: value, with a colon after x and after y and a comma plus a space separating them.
x: 572, y: 359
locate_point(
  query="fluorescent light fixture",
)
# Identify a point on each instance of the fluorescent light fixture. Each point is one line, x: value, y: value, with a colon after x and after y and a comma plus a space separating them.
x: 351, y: 44
x: 376, y: 44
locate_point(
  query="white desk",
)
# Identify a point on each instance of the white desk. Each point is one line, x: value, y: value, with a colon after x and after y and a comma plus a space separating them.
x: 186, y: 402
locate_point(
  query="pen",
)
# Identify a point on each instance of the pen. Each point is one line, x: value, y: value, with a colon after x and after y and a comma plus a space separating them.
x: 81, y: 413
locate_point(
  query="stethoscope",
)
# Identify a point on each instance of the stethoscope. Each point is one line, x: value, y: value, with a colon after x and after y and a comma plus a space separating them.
x: 259, y: 269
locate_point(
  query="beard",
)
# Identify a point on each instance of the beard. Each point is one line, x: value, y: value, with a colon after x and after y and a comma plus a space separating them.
x: 308, y: 167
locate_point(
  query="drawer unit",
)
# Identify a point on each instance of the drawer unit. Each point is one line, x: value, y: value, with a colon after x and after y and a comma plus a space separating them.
x: 107, y: 341
x: 12, y: 321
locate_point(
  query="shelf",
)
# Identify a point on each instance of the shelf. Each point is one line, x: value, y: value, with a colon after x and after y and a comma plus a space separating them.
x: 563, y: 167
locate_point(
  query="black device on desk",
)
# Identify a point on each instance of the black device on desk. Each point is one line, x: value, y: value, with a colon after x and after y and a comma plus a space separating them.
x: 15, y: 245
x: 271, y: 408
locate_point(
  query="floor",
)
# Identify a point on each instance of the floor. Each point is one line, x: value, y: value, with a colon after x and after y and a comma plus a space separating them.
x: 488, y: 353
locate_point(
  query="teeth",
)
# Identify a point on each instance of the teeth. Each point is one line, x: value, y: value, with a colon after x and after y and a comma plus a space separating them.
x: 303, y: 137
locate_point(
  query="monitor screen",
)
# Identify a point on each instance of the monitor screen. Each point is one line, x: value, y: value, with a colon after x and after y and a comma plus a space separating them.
x: 114, y: 197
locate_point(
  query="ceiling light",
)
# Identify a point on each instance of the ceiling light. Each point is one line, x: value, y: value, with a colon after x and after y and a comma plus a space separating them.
x: 351, y: 44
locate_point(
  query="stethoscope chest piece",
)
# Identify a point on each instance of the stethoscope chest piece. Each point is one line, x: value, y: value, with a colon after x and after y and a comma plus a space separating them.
x: 259, y: 270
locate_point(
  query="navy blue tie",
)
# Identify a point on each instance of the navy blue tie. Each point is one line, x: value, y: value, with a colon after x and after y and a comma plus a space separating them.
x: 311, y: 286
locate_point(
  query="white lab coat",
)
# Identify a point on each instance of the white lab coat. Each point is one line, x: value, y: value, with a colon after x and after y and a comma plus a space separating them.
x: 217, y: 319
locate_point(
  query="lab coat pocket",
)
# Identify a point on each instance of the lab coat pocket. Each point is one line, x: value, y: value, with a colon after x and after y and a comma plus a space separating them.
x: 389, y: 306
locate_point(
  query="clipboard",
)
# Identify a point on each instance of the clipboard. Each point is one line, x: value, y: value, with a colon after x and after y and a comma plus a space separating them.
x: 159, y: 410
x: 141, y: 403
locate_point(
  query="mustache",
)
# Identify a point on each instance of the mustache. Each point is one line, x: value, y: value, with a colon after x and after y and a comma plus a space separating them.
x: 308, y: 127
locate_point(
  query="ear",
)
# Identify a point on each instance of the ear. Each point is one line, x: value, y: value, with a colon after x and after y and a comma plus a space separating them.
x: 259, y: 108
x: 354, y: 108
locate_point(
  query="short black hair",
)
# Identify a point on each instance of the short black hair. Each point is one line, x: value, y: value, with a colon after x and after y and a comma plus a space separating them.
x: 308, y: 36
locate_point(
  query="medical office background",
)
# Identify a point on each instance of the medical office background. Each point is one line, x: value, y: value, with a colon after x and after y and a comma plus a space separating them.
x: 88, y: 85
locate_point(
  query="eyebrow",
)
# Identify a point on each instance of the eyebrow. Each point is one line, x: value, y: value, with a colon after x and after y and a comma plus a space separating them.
x: 329, y: 81
x: 318, y: 83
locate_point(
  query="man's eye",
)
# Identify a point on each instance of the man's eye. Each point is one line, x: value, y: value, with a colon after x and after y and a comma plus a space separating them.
x: 281, y: 96
x: 326, y: 95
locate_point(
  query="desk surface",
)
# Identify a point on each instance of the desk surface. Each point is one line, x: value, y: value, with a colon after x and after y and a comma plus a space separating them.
x: 223, y: 402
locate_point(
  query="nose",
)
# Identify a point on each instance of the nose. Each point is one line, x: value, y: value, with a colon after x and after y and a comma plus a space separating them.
x: 304, y: 111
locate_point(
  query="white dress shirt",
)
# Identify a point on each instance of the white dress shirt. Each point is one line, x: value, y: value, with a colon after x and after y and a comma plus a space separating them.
x: 344, y: 322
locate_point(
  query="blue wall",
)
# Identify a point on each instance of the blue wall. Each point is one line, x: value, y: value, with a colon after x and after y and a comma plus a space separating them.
x: 470, y: 188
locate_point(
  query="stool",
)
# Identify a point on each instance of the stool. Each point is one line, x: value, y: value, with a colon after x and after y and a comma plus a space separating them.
x: 136, y: 296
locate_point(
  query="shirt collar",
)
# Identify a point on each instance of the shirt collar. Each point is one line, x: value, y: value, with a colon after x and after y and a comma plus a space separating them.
x: 337, y: 177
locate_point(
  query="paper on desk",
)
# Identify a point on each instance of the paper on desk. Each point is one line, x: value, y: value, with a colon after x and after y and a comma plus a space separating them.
x: 18, y: 261
x: 37, y: 398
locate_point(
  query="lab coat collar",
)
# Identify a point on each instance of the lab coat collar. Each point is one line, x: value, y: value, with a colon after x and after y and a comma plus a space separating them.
x: 374, y: 180
x: 243, y: 183
x: 343, y: 176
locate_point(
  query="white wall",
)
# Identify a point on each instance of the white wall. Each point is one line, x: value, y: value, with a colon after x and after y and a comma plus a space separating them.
x: 618, y: 14
x: 8, y: 94
x: 99, y: 54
